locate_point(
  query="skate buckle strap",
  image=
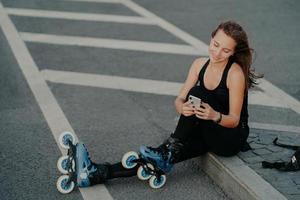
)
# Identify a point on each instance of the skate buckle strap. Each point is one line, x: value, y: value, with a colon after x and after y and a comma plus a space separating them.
x: 163, y: 152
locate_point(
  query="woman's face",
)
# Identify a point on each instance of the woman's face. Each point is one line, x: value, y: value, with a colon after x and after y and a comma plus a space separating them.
x: 221, y: 47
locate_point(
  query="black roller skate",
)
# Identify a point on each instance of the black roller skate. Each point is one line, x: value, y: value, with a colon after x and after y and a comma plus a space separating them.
x: 77, y: 167
x: 154, y: 162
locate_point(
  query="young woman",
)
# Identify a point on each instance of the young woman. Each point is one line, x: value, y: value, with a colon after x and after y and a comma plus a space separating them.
x: 220, y: 124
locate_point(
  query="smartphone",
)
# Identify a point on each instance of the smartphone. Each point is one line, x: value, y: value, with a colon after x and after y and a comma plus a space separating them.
x: 195, y: 101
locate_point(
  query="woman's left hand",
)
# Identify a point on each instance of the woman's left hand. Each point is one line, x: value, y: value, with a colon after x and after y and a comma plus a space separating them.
x: 205, y: 112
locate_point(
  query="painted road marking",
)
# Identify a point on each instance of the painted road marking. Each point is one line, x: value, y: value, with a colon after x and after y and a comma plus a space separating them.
x: 111, y: 43
x: 78, y: 16
x: 188, y: 38
x: 112, y: 82
x: 276, y: 93
x: 138, y: 85
x: 193, y: 41
x: 52, y: 112
x: 156, y: 87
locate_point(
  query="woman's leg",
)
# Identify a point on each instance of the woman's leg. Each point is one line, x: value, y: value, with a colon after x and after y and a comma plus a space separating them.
x: 222, y: 141
x: 194, y: 146
x: 107, y: 171
x: 117, y: 170
x: 185, y: 143
x: 186, y: 126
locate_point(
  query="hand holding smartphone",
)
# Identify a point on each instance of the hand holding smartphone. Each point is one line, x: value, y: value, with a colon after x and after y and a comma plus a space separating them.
x: 195, y: 101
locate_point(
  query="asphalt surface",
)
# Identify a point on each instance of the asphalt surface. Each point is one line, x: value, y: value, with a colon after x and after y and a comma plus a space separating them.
x: 112, y: 122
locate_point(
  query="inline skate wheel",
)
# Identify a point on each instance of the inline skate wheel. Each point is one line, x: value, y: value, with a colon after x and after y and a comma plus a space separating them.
x: 128, y: 158
x: 156, y: 182
x: 63, y: 186
x: 65, y: 137
x: 63, y: 164
x: 143, y: 174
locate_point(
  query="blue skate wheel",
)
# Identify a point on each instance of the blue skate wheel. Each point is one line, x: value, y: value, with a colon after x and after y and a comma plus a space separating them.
x: 63, y: 164
x: 143, y: 174
x: 156, y: 182
x: 63, y: 186
x: 128, y: 159
x: 64, y: 139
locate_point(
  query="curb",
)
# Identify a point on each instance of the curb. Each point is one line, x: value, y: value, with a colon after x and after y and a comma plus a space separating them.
x: 237, y: 179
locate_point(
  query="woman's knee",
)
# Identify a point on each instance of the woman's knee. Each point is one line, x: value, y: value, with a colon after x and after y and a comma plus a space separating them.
x: 227, y: 148
x: 224, y: 141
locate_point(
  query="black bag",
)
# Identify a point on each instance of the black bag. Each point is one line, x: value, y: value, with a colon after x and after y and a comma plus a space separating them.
x: 292, y: 165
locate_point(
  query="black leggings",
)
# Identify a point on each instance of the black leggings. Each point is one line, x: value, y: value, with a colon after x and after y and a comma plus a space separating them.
x: 198, y: 137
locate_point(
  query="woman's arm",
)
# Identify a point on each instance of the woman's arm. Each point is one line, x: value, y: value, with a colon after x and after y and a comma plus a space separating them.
x: 190, y: 81
x: 236, y: 86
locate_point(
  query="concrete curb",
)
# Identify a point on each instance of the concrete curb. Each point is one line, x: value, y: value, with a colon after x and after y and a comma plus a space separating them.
x: 237, y: 179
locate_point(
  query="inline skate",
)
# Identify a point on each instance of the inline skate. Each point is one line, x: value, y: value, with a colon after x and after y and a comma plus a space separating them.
x: 153, y: 163
x: 76, y: 166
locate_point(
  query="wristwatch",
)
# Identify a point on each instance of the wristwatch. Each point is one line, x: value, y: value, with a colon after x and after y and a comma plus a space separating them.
x: 219, y: 119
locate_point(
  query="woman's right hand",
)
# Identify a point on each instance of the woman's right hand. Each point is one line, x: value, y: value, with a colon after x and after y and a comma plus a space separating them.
x: 187, y: 109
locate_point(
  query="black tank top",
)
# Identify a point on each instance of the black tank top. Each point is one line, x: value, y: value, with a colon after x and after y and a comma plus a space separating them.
x: 218, y: 98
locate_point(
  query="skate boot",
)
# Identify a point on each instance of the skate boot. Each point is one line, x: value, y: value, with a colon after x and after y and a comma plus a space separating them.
x: 164, y: 156
x: 88, y: 173
x: 153, y: 163
x: 79, y: 170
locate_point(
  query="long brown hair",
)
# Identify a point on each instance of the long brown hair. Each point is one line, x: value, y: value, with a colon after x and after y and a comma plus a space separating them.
x: 242, y: 53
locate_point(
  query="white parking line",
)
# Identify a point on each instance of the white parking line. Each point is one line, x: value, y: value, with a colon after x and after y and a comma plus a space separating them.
x: 155, y: 87
x: 276, y: 93
x: 193, y: 41
x: 78, y: 16
x: 112, y: 82
x: 138, y: 85
x: 111, y: 43
x: 45, y: 99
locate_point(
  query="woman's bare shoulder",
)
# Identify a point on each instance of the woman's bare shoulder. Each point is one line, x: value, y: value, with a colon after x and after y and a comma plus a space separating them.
x: 198, y: 63
x: 201, y: 60
x: 235, y: 74
x: 236, y: 70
